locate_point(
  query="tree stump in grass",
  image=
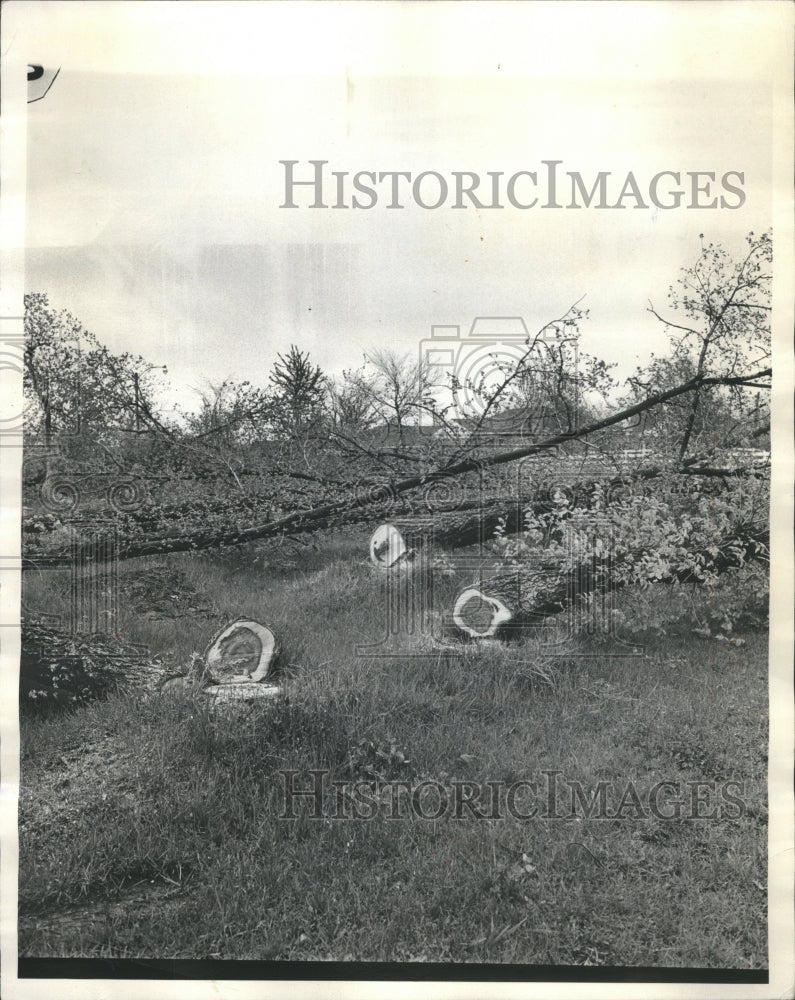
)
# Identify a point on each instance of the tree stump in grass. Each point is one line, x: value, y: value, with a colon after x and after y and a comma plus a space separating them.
x: 239, y: 660
x: 242, y: 651
x: 479, y: 615
x: 235, y: 666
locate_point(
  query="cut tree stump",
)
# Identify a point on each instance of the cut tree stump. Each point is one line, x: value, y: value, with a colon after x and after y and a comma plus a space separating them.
x: 234, y: 667
x: 478, y: 615
x: 243, y: 651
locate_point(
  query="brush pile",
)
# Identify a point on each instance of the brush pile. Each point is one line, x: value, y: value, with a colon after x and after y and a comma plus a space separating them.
x: 61, y: 670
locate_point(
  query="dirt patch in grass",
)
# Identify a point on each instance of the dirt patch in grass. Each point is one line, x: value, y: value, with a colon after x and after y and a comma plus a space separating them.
x: 163, y: 592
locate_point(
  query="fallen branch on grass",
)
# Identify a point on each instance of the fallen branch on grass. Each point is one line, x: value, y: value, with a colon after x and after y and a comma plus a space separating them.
x: 60, y: 669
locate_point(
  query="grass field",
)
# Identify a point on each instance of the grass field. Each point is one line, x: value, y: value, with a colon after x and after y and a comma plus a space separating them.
x: 150, y: 826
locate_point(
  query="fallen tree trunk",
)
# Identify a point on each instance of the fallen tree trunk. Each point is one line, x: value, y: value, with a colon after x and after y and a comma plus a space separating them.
x: 149, y: 517
x: 451, y: 524
x: 478, y: 522
x: 39, y: 557
x: 342, y: 511
x: 393, y: 541
x: 526, y: 595
x: 456, y: 529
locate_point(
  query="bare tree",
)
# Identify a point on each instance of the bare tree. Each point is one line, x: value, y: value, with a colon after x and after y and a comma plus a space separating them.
x: 400, y: 388
x: 351, y: 401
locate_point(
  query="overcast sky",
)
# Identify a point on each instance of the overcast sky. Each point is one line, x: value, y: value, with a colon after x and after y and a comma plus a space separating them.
x: 154, y: 184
